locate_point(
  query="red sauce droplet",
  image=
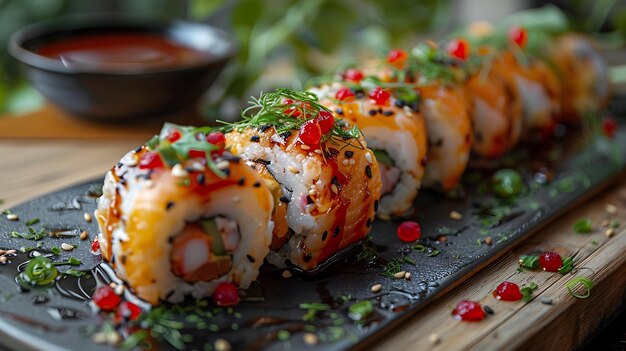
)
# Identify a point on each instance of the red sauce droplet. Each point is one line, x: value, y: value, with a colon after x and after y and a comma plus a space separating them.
x: 459, y: 48
x: 508, y: 291
x: 469, y: 311
x: 173, y: 135
x: 353, y: 75
x: 105, y: 298
x: 344, y: 94
x: 409, y: 231
x: 397, y: 57
x: 518, y: 35
x: 550, y: 261
x: 609, y: 126
x: 225, y: 295
x: 95, y: 247
x: 150, y: 160
x: 326, y: 120
x: 128, y: 311
x: 380, y: 96
x: 310, y: 133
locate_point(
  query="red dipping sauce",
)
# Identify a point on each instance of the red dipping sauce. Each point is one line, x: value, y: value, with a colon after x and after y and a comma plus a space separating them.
x: 118, y: 51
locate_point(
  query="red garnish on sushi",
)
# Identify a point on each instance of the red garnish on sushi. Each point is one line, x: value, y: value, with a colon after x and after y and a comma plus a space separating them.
x: 128, y: 310
x: 550, y: 261
x: 310, y: 133
x: 508, y: 291
x: 326, y: 121
x: 95, y: 247
x: 225, y: 295
x: 469, y: 311
x: 609, y: 126
x: 353, y: 75
x: 397, y: 57
x: 518, y: 35
x: 150, y: 160
x: 380, y: 96
x: 173, y: 135
x: 218, y: 139
x: 344, y: 94
x: 409, y: 231
x: 459, y: 48
x: 105, y: 298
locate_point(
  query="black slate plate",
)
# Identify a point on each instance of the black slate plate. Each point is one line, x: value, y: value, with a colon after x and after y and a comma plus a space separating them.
x: 581, y: 163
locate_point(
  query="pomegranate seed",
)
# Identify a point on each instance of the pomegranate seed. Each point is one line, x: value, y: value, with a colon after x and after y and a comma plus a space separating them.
x: 409, y: 231
x: 197, y: 154
x: 128, y: 311
x: 326, y: 120
x: 396, y: 55
x: 609, y: 126
x: 353, y: 75
x: 105, y: 298
x: 550, y: 261
x: 310, y: 133
x: 150, y: 160
x: 508, y: 291
x: 173, y: 135
x: 380, y: 96
x: 344, y: 94
x: 225, y: 295
x: 95, y: 247
x: 293, y: 112
x: 518, y: 35
x: 288, y: 101
x: 459, y: 48
x: 218, y: 139
x: 469, y: 311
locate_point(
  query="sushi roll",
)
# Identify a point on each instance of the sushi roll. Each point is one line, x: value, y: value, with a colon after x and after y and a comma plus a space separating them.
x: 395, y: 133
x: 583, y: 73
x: 180, y: 215
x: 325, y: 180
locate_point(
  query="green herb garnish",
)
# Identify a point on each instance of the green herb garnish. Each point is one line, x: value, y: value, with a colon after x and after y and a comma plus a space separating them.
x: 72, y: 261
x: 507, y: 183
x: 434, y: 253
x: 529, y: 261
x: 577, y: 284
x: 568, y: 265
x: 367, y: 254
x: 360, y: 310
x: 38, y: 272
x: 583, y: 226
x: 31, y: 235
x: 312, y: 309
x: 283, y: 335
x: 32, y: 221
x: 614, y: 224
x: 74, y: 272
x: 55, y: 250
x: 527, y: 292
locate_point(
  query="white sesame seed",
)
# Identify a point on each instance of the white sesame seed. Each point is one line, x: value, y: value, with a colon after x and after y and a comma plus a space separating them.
x: 221, y: 345
x: 377, y: 288
x: 67, y: 247
x: 609, y: 232
x: 13, y: 217
x: 611, y: 209
x: 178, y: 171
x: 310, y: 339
x: 368, y: 157
x: 305, y: 147
x: 87, y: 217
x: 456, y: 215
x: 334, y: 188
x: 434, y: 339
x: 223, y: 165
x: 399, y: 275
x: 3, y: 259
x: 112, y: 338
x: 10, y: 252
x: 293, y: 169
x: 198, y: 166
x: 36, y: 253
x: 345, y: 162
x: 407, y: 276
x: 318, y: 151
x: 119, y: 289
x: 130, y: 162
x: 84, y: 235
x: 286, y: 274
x: 352, y: 162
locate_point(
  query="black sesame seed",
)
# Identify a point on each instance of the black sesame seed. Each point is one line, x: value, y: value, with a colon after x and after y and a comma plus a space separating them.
x: 138, y: 148
x: 119, y: 165
x: 380, y: 110
x: 189, y: 169
x: 339, y: 111
x: 256, y: 184
x: 376, y: 205
x: 263, y: 162
x: 226, y: 172
x: 241, y: 181
x: 170, y: 239
x: 324, y: 235
x: 334, y: 181
x: 169, y: 205
x: 200, y: 178
x: 285, y: 199
x: 337, y: 230
x: 309, y: 200
x: 285, y: 135
x: 255, y: 139
x: 368, y: 171
x: 349, y: 153
x: 264, y: 128
x: 488, y: 309
x: 368, y: 223
x: 400, y: 103
x: 372, y: 112
x: 250, y: 258
x: 308, y: 257
x: 388, y: 113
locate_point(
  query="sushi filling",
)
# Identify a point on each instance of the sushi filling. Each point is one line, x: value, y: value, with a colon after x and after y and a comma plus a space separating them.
x: 202, y: 251
x: 389, y: 173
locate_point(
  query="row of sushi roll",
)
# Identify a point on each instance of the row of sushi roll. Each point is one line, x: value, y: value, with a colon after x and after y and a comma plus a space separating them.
x: 302, y: 176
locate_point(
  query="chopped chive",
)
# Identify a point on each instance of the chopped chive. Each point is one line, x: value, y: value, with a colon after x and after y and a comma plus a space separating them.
x: 527, y: 292
x: 583, y: 226
x: 573, y: 286
x: 32, y: 221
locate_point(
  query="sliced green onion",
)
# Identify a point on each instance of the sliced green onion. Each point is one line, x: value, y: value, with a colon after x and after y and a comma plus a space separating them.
x: 583, y: 226
x: 38, y: 272
x: 32, y: 221
x: 573, y: 287
x: 360, y: 310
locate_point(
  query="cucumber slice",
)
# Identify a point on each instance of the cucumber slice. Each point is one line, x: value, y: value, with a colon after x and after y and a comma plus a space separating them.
x: 383, y: 157
x: 210, y: 228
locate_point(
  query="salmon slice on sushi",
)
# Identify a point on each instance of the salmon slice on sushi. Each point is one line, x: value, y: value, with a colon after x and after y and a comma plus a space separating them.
x: 395, y: 133
x: 325, y: 181
x: 180, y: 215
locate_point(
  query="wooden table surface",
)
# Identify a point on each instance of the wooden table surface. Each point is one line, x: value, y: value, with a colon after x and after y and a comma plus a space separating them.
x: 33, y: 163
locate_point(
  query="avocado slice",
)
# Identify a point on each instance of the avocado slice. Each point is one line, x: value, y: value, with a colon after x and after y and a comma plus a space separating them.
x: 383, y: 157
x: 210, y: 228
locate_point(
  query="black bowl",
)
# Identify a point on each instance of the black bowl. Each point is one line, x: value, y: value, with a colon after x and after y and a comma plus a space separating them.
x: 127, y: 92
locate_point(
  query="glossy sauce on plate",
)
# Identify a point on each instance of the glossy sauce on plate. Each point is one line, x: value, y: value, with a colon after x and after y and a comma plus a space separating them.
x: 122, y: 50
